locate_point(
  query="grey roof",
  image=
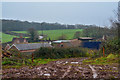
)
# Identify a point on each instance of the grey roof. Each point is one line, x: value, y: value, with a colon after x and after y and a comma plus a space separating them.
x: 31, y: 46
x: 59, y: 41
x: 85, y: 38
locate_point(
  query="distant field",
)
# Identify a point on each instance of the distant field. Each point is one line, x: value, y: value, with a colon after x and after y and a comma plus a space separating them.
x: 6, y: 37
x: 54, y: 34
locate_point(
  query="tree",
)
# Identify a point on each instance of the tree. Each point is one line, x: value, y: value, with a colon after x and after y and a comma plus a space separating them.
x: 17, y: 25
x: 33, y: 34
x: 97, y: 32
x: 62, y: 37
x: 77, y: 34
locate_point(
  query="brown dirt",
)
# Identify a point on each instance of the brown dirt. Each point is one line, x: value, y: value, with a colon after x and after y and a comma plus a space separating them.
x: 63, y: 69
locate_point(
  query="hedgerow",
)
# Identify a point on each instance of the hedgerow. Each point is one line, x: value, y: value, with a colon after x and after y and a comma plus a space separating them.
x: 56, y: 53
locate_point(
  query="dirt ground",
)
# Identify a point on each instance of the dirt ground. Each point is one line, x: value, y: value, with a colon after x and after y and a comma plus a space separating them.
x: 71, y: 68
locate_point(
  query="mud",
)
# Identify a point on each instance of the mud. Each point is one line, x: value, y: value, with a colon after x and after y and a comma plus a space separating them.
x: 63, y: 69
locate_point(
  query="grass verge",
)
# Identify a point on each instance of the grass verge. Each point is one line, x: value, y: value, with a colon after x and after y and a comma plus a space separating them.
x: 9, y: 63
x: 110, y: 59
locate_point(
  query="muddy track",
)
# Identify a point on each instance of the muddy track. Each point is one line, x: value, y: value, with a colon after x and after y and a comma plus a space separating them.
x: 61, y: 69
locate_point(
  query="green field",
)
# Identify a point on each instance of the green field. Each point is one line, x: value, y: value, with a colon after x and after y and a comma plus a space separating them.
x: 6, y: 37
x: 54, y: 34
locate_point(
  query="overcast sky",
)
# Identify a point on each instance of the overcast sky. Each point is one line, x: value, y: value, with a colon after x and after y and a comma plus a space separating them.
x: 97, y: 13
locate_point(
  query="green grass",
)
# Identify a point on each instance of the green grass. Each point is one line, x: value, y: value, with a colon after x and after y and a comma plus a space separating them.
x: 10, y: 63
x: 110, y: 59
x: 6, y: 37
x: 42, y: 61
x: 54, y: 34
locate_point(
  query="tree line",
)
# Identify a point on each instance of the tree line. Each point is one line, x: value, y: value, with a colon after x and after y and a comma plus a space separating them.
x: 98, y: 32
x: 17, y: 25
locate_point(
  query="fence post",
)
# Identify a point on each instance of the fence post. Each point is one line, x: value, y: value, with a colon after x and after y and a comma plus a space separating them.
x: 19, y: 54
x: 103, y: 51
x: 32, y: 57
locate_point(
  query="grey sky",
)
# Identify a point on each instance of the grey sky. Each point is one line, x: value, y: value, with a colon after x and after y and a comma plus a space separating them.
x: 97, y: 13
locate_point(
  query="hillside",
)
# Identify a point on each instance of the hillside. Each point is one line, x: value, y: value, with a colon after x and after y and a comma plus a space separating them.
x: 16, y: 25
x: 7, y: 38
x: 54, y: 34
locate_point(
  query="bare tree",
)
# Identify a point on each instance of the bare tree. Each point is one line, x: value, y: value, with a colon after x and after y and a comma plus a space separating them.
x: 118, y: 23
x: 33, y: 34
x: 62, y: 37
x: 77, y: 34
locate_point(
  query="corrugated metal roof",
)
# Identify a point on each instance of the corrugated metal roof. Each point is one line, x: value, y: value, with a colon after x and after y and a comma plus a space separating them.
x: 85, y: 38
x: 31, y: 46
x: 59, y: 41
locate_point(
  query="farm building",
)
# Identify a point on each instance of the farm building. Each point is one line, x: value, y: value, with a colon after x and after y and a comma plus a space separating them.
x: 85, y: 38
x: 62, y: 43
x: 19, y: 40
x: 67, y: 43
x: 29, y: 48
x: 91, y: 45
x: 85, y: 42
x: 76, y: 42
